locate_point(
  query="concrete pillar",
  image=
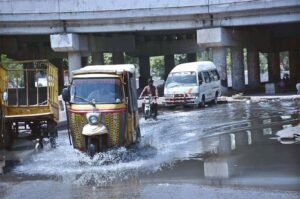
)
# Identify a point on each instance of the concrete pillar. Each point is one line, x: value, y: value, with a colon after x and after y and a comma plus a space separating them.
x: 253, y: 68
x: 191, y: 57
x: 274, y: 67
x: 294, y: 61
x: 169, y: 64
x: 97, y: 58
x: 118, y: 58
x: 84, y: 61
x: 218, y: 167
x: 238, y: 72
x: 219, y: 59
x: 144, y: 63
x: 59, y: 64
x: 74, y: 59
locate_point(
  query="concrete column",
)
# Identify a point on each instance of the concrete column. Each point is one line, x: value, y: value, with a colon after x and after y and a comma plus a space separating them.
x: 238, y: 72
x: 74, y: 59
x: 97, y: 58
x: 118, y: 58
x: 274, y: 67
x: 144, y: 63
x: 253, y: 68
x: 294, y: 67
x: 219, y: 59
x: 191, y: 57
x: 84, y: 61
x: 169, y: 64
x: 59, y: 64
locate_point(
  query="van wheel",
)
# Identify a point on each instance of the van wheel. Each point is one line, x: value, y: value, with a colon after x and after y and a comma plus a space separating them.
x: 215, y: 101
x: 202, y: 103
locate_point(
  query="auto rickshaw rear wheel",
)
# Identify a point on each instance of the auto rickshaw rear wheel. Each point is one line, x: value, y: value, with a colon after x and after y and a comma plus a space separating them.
x: 8, y: 136
x: 52, y: 133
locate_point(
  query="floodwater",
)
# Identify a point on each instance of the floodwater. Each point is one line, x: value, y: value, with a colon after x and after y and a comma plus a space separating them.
x: 236, y: 150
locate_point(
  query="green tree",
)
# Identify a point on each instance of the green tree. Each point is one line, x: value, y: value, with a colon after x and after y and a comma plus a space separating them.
x: 263, y: 62
x: 107, y: 58
x: 15, y: 78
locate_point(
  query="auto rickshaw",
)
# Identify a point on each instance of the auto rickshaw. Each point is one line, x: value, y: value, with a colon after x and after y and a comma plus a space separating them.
x: 102, y: 107
x: 30, y: 90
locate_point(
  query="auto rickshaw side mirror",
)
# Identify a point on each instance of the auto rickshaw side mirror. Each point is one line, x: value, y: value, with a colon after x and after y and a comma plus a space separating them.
x: 66, y: 94
x: 5, y: 96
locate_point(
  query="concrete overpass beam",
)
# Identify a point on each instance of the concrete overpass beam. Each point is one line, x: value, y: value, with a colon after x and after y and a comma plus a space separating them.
x: 169, y: 64
x: 219, y: 58
x: 144, y: 64
x: 216, y: 37
x: 253, y: 68
x: 274, y: 67
x: 65, y: 42
x: 238, y: 72
x: 118, y: 58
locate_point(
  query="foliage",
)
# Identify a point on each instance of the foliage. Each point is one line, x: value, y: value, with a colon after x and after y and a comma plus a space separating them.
x: 263, y: 62
x: 16, y: 78
x: 180, y: 58
x: 107, y: 58
x: 157, y: 64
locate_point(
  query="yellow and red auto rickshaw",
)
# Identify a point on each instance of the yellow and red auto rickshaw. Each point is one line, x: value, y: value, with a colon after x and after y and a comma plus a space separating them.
x: 102, y: 107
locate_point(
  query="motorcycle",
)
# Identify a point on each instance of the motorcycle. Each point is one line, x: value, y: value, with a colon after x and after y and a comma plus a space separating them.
x: 148, y: 107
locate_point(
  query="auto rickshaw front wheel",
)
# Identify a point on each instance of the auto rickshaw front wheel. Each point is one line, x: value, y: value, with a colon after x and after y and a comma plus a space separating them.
x: 92, y: 147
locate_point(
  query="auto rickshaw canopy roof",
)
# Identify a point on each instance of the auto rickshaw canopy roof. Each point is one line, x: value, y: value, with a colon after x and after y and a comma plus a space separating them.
x: 114, y: 69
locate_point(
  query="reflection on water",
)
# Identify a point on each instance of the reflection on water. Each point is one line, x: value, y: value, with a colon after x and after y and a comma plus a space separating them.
x: 228, y: 140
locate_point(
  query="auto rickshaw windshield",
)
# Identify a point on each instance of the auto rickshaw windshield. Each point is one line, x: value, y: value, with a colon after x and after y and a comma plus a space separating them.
x: 99, y: 90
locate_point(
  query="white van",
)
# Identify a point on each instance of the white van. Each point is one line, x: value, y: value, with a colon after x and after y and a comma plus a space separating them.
x: 193, y: 84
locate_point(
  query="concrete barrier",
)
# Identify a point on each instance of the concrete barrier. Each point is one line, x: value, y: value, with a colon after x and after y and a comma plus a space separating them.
x: 270, y: 88
x: 2, y: 164
x: 298, y: 88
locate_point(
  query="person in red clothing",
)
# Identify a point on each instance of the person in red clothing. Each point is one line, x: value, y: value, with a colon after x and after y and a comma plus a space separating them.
x: 150, y: 90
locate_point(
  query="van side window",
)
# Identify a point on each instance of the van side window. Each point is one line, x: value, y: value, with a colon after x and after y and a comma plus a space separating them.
x: 216, y: 75
x: 211, y: 76
x: 206, y: 77
x: 200, y: 80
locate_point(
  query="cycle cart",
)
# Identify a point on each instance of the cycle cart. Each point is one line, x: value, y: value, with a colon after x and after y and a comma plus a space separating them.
x: 32, y: 105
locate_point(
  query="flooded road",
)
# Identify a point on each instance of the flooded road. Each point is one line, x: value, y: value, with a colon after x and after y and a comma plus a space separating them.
x: 236, y: 150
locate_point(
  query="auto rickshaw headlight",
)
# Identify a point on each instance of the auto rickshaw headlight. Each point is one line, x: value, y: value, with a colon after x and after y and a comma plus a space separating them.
x: 93, y: 118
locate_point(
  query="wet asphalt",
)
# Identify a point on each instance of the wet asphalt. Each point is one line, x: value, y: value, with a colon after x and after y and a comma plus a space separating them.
x: 234, y: 150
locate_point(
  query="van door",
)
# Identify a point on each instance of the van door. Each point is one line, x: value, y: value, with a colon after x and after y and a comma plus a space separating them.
x: 216, y: 82
x: 206, y: 85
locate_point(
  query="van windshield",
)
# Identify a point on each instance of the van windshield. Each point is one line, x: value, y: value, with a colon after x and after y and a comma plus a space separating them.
x: 181, y: 79
x: 99, y: 90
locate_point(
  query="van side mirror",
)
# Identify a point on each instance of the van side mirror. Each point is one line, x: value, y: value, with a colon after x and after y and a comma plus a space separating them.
x: 66, y: 94
x: 200, y: 81
x: 5, y: 96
